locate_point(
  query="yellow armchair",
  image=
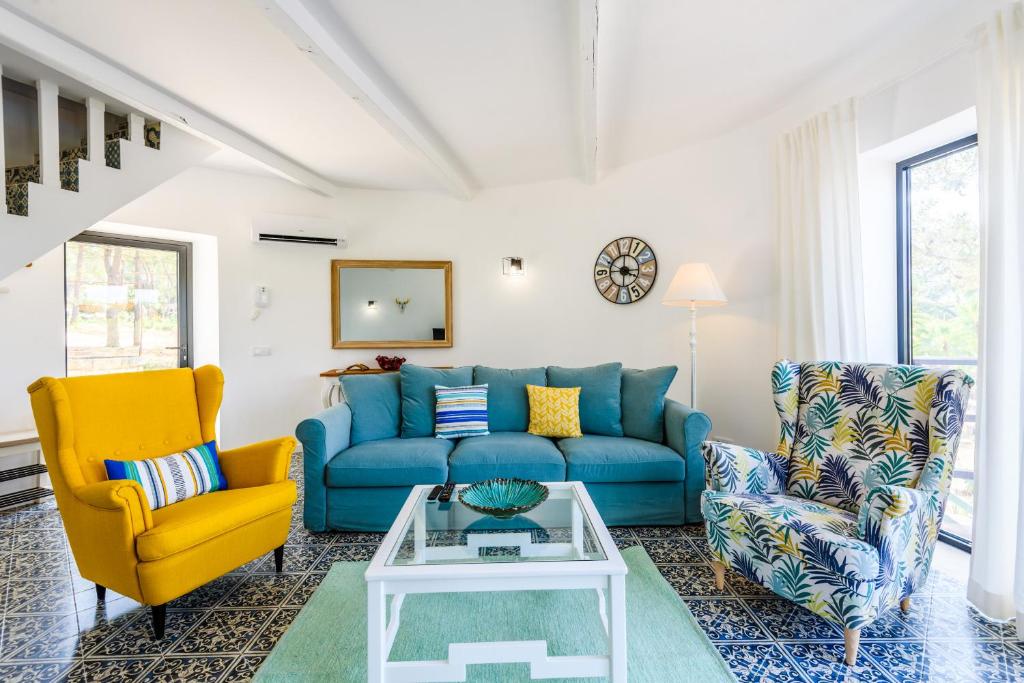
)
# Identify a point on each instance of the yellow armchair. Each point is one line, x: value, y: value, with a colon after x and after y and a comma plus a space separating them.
x: 155, y: 556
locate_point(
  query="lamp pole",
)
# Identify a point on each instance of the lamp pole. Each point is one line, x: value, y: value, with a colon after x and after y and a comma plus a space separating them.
x: 693, y: 355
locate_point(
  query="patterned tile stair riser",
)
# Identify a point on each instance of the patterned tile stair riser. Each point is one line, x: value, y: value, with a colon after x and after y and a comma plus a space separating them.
x: 53, y: 628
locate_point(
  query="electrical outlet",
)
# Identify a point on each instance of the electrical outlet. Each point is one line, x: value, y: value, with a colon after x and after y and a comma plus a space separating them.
x: 261, y: 350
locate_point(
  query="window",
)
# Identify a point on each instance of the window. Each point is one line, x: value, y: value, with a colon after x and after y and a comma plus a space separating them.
x: 128, y: 304
x: 939, y: 277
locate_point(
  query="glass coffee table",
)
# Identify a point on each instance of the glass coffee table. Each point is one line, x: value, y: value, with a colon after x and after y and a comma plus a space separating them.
x: 448, y: 548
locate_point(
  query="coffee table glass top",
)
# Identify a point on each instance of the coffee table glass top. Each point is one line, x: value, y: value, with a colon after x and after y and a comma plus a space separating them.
x: 557, y: 530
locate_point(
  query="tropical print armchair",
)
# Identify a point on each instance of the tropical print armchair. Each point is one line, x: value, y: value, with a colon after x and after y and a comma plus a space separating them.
x: 843, y: 517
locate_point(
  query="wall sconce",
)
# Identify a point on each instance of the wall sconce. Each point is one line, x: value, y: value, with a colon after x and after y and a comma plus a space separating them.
x: 371, y: 305
x: 513, y: 265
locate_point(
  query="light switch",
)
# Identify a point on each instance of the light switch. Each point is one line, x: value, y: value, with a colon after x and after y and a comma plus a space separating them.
x: 261, y: 350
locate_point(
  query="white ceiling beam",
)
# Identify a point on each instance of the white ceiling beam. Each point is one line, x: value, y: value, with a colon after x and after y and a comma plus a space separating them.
x: 587, y: 76
x: 58, y: 53
x: 319, y: 32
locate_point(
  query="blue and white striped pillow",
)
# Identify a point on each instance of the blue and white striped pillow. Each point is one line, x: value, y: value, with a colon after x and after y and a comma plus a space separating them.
x: 460, y: 411
x: 173, y: 478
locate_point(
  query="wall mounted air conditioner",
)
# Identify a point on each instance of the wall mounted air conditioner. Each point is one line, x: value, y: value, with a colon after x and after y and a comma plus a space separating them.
x: 275, y: 227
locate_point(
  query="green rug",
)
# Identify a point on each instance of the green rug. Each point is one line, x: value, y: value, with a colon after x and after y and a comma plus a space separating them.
x: 327, y: 640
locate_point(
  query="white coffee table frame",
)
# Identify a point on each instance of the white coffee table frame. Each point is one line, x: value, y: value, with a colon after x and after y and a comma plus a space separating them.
x: 607, y: 577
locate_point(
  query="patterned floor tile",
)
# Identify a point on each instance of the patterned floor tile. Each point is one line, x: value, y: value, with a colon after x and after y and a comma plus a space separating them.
x: 643, y: 532
x: 275, y: 628
x: 30, y: 596
x: 786, y: 621
x: 223, y: 631
x: 727, y: 619
x: 244, y: 668
x: 103, y: 670
x: 32, y: 672
x: 306, y: 588
x: 37, y: 565
x: 909, y: 661
x: 343, y: 553
x: 824, y: 662
x: 208, y: 596
x: 262, y: 590
x: 696, y: 580
x: 759, y: 662
x: 672, y: 551
x: 136, y: 638
x: 199, y: 669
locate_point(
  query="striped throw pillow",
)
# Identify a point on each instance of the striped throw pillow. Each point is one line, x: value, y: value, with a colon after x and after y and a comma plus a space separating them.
x: 173, y: 478
x: 460, y: 411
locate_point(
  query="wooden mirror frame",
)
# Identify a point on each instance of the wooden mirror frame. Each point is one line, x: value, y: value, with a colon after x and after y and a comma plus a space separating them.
x: 336, y: 340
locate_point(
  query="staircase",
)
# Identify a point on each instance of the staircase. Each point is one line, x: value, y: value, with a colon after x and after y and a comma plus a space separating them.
x: 68, y: 188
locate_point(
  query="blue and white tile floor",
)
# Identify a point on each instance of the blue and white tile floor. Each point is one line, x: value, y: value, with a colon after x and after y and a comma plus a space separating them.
x: 53, y: 629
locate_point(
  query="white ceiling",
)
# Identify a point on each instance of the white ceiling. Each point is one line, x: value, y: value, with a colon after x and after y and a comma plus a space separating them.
x: 494, y: 82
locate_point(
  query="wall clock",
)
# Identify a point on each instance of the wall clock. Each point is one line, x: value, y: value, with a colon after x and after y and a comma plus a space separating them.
x: 625, y: 270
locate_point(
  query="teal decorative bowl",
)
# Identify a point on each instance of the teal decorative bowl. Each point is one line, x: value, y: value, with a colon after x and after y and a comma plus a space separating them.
x: 503, y: 498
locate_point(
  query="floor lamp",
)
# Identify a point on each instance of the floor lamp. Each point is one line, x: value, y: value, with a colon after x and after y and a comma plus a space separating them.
x: 694, y: 285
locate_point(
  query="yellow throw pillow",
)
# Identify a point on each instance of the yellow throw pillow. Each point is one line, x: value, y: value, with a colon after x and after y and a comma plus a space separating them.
x: 554, y: 411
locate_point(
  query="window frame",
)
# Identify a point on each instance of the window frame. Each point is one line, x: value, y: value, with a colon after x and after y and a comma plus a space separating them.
x: 184, y: 252
x: 904, y: 267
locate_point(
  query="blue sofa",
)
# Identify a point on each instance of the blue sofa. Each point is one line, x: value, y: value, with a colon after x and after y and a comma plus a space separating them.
x: 639, y: 455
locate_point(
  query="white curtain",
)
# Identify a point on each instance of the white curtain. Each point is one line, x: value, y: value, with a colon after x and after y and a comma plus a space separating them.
x: 821, y: 311
x: 996, y: 585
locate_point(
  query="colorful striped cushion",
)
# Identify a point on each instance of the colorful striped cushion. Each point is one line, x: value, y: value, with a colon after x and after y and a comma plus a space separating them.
x: 460, y: 411
x: 173, y: 478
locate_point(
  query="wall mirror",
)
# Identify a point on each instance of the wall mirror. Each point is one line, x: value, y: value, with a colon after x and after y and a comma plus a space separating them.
x: 391, y: 304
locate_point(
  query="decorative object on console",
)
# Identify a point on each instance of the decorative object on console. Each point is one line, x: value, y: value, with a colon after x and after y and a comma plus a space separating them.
x: 513, y: 265
x: 503, y: 498
x: 390, y: 363
x: 694, y: 285
x: 625, y: 270
x: 460, y: 411
x: 357, y: 367
x: 554, y: 411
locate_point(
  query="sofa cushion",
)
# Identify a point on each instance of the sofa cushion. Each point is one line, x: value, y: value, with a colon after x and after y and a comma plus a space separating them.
x: 643, y: 402
x: 506, y: 454
x: 391, y: 462
x: 376, y: 405
x: 595, y: 459
x: 418, y: 395
x: 509, y: 408
x: 600, y: 395
x: 190, y: 522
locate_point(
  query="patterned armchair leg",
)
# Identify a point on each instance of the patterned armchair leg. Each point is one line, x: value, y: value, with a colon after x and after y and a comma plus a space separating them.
x: 851, y: 636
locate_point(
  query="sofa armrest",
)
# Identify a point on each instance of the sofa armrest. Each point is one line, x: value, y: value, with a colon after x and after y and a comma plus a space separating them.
x: 685, y: 430
x: 889, y: 511
x: 119, y: 506
x: 738, y: 469
x: 322, y: 436
x: 257, y: 464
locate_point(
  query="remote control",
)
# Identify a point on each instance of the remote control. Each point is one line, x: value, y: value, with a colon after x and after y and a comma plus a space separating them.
x: 434, y: 492
x: 446, y: 492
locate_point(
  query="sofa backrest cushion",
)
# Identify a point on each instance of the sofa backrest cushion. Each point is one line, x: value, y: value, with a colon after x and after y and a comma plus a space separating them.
x: 418, y: 397
x: 508, y: 406
x: 860, y: 426
x: 643, y: 402
x: 600, y: 395
x: 376, y: 406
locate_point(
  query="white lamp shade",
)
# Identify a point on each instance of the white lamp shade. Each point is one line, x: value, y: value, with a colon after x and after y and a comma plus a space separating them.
x: 694, y: 284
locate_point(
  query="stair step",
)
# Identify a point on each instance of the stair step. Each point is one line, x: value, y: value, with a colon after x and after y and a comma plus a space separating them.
x: 26, y: 496
x: 21, y: 472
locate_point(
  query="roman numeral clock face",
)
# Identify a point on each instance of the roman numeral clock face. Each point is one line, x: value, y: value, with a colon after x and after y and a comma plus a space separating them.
x: 625, y: 270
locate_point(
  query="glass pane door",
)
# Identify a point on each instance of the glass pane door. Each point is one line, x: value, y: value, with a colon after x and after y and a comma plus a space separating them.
x: 941, y: 279
x: 126, y: 304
